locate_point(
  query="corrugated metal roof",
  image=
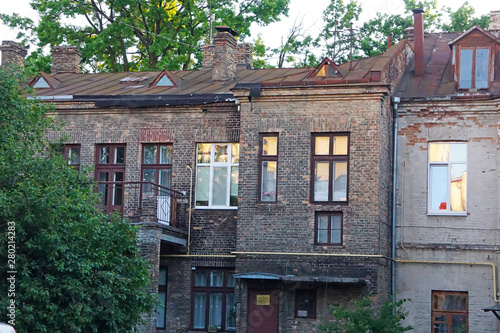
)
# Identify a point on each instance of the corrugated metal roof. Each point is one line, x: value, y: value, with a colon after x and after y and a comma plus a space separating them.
x: 438, y: 80
x: 200, y: 82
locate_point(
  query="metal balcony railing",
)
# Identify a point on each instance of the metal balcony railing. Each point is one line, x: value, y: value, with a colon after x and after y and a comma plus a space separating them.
x: 140, y: 201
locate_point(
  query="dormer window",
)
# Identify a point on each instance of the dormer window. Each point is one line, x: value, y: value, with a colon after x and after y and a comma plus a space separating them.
x: 473, y: 58
x: 474, y: 68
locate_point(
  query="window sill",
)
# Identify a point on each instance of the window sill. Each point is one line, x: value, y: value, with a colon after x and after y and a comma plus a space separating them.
x: 447, y: 214
x: 215, y: 208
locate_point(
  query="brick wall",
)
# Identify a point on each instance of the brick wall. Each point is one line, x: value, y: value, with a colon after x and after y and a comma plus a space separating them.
x: 12, y: 53
x: 65, y: 59
x: 289, y: 224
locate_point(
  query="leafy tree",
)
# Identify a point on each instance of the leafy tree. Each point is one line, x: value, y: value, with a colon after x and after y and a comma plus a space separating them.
x: 374, y: 33
x: 295, y: 47
x: 335, y: 38
x: 77, y: 269
x: 123, y: 35
x: 463, y: 18
x: 364, y: 318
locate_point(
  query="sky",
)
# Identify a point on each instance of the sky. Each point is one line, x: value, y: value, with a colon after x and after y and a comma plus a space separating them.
x: 309, y: 11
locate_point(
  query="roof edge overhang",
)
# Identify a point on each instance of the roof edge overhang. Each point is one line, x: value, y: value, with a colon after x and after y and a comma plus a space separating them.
x: 298, y: 278
x: 141, y: 101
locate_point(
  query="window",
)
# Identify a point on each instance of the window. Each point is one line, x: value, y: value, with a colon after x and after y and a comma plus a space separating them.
x: 110, y: 167
x: 268, y: 164
x: 213, y: 299
x: 217, y: 175
x: 329, y: 228
x: 71, y: 153
x: 305, y: 304
x: 330, y: 155
x: 156, y: 165
x: 162, y: 298
x: 449, y: 312
x: 447, y: 177
x: 474, y: 68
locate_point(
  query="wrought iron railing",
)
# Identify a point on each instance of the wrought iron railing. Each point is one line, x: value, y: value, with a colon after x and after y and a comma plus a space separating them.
x: 140, y: 201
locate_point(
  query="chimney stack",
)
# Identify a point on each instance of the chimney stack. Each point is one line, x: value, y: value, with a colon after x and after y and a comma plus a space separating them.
x: 13, y: 54
x: 494, y: 20
x: 66, y: 59
x: 418, y: 23
x: 224, y: 54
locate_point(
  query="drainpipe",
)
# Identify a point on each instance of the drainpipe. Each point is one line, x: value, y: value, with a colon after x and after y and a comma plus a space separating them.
x: 395, y: 101
x: 190, y: 208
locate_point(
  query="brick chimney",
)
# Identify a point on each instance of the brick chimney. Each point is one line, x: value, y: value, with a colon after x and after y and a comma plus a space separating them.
x: 224, y: 54
x: 494, y: 20
x: 418, y: 23
x: 244, y: 54
x: 13, y: 53
x: 66, y: 59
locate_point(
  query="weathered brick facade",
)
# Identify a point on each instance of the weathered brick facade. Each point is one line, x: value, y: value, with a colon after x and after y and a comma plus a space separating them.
x: 13, y: 53
x: 65, y: 59
x: 450, y: 249
x: 272, y: 247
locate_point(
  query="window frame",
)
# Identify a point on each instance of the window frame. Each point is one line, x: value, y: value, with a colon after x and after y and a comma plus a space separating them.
x: 163, y: 288
x: 267, y: 158
x: 305, y: 293
x: 212, y: 165
x: 331, y: 159
x: 448, y: 165
x: 316, y: 228
x: 449, y: 313
x: 474, y: 66
x: 208, y: 290
x: 64, y: 150
x: 156, y: 166
x: 111, y: 168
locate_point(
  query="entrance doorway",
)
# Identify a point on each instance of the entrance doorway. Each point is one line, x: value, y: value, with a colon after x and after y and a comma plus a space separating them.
x: 263, y: 311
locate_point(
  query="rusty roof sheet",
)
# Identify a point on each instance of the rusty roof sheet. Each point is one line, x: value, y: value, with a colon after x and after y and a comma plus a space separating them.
x: 438, y: 80
x: 200, y: 81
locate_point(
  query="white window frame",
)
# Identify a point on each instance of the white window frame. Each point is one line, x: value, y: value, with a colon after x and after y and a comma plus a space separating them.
x: 448, y: 164
x: 213, y: 165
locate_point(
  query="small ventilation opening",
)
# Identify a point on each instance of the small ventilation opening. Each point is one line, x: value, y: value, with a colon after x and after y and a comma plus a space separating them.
x: 41, y: 83
x: 164, y: 82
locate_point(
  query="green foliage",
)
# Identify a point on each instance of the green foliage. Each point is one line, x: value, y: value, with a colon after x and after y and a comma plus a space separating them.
x: 374, y: 33
x: 364, y: 318
x: 77, y: 269
x: 463, y: 19
x: 335, y: 38
x: 124, y: 35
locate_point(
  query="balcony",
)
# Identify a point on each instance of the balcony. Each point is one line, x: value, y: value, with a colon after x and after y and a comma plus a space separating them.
x: 149, y: 205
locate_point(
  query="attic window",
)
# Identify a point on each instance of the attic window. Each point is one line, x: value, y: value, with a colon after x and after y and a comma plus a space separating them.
x: 164, y: 82
x: 474, y: 68
x: 327, y: 70
x: 41, y: 83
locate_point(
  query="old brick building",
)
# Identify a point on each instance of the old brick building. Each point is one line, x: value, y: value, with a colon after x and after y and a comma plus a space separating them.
x: 263, y: 196
x: 447, y: 216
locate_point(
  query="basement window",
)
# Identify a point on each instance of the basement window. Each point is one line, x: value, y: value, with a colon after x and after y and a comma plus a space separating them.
x: 450, y: 311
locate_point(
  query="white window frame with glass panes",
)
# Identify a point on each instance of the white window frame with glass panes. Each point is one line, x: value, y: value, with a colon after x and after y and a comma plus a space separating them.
x: 217, y: 176
x: 447, y: 188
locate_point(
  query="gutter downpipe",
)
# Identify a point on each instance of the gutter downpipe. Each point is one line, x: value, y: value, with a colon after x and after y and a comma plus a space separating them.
x: 190, y: 207
x: 396, y: 101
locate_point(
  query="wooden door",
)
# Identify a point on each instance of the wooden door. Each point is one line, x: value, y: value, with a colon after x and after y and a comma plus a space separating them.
x: 263, y: 306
